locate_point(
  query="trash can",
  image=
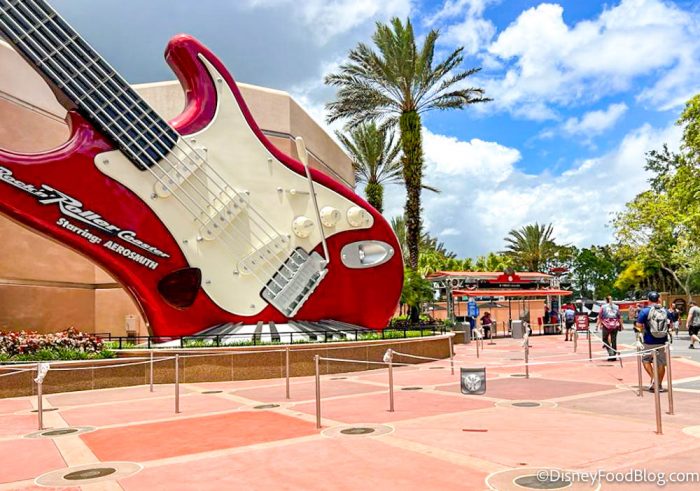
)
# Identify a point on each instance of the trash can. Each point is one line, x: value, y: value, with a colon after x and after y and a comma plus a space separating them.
x: 464, y: 326
x: 517, y: 329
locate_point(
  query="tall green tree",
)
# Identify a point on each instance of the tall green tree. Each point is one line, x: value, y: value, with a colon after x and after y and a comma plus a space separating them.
x: 595, y: 271
x: 661, y: 225
x: 375, y: 159
x: 416, y: 291
x: 531, y: 247
x: 395, y: 82
x: 493, y: 262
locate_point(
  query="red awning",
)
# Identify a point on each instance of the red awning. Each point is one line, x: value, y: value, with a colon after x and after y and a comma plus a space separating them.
x: 509, y: 293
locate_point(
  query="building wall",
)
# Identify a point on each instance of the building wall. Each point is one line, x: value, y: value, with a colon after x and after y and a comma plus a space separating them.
x: 46, y: 287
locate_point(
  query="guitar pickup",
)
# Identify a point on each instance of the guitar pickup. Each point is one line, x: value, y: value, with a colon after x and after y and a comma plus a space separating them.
x: 178, y: 167
x: 222, y: 212
x: 263, y: 255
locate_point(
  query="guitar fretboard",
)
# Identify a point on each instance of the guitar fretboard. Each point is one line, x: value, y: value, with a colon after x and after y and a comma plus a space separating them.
x: 47, y: 41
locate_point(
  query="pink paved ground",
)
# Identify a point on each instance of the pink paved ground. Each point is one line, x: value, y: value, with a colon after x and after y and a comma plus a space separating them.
x: 437, y: 439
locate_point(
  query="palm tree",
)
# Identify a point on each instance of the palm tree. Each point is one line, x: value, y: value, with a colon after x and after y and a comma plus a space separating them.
x: 397, y: 84
x: 530, y: 247
x: 375, y: 159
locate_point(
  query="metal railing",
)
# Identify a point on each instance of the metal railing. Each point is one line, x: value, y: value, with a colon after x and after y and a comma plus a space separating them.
x: 256, y: 339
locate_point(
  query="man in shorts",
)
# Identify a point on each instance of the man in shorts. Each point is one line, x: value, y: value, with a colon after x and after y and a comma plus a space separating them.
x: 693, y: 323
x: 651, y: 341
x: 569, y: 316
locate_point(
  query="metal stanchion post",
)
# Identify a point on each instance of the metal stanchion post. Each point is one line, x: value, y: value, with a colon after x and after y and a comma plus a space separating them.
x: 639, y: 373
x: 575, y: 340
x: 150, y: 376
x: 452, y: 360
x: 177, y: 384
x: 477, y: 347
x: 590, y: 349
x: 527, y: 358
x: 318, y: 392
x: 657, y: 393
x: 40, y: 405
x: 390, y: 352
x: 669, y: 378
x: 286, y: 370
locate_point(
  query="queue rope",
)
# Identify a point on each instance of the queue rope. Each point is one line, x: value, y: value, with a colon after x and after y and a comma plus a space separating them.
x: 370, y: 362
x: 541, y: 363
x: 17, y: 372
x: 155, y: 360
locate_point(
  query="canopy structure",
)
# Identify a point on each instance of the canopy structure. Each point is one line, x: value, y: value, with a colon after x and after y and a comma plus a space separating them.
x: 510, y: 293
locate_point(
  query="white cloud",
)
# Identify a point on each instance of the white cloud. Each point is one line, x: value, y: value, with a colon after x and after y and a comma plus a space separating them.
x: 328, y: 18
x: 484, y: 195
x: 449, y: 231
x: 473, y: 32
x: 448, y: 156
x: 595, y: 122
x: 552, y: 63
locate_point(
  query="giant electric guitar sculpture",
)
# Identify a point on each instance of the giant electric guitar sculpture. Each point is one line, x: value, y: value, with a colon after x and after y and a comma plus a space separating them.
x: 202, y: 219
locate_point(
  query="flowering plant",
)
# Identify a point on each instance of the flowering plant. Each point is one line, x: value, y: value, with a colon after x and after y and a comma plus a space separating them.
x: 30, y: 342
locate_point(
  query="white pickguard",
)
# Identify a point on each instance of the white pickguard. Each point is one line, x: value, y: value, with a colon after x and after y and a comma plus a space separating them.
x: 234, y: 152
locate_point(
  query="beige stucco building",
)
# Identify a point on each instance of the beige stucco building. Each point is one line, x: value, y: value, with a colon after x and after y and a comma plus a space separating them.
x: 46, y: 287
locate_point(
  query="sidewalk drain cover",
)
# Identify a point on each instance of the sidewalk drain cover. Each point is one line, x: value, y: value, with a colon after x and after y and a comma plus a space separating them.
x: 362, y: 430
x: 90, y: 473
x: 45, y: 410
x: 517, y: 375
x: 359, y: 430
x: 534, y: 482
x: 526, y: 404
x: 436, y: 368
x: 266, y: 406
x: 87, y: 474
x: 412, y: 388
x: 62, y: 431
x: 212, y: 392
x: 338, y: 378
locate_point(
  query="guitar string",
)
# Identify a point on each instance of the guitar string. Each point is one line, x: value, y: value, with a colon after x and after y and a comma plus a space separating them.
x: 282, y: 262
x: 19, y: 40
x: 160, y: 130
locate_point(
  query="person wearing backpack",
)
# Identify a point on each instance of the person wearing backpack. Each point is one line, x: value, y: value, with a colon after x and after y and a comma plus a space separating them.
x: 693, y: 323
x: 610, y: 319
x: 569, y: 316
x: 654, y: 324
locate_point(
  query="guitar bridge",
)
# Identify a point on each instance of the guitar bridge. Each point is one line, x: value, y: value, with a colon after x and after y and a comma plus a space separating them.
x: 295, y: 281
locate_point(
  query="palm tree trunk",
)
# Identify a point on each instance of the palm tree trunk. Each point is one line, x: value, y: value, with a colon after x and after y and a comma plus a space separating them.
x: 412, y: 147
x: 375, y: 195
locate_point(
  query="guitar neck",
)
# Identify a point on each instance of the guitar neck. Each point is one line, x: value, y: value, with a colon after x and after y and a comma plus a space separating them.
x: 55, y: 49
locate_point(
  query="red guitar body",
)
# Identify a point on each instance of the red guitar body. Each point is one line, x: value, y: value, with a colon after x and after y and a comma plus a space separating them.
x: 365, y: 297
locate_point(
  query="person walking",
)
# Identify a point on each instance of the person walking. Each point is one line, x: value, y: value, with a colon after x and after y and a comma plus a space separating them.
x: 674, y: 318
x: 569, y: 316
x: 692, y: 323
x: 653, y: 323
x: 486, y: 323
x: 610, y: 321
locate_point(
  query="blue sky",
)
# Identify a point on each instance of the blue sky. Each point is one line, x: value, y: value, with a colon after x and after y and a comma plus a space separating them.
x: 582, y: 89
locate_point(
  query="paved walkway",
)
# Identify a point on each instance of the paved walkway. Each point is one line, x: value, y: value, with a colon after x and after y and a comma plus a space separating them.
x: 247, y: 435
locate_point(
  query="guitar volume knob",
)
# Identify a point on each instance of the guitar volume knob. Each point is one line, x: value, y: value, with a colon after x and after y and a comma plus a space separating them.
x: 330, y: 216
x: 358, y: 217
x: 302, y: 227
